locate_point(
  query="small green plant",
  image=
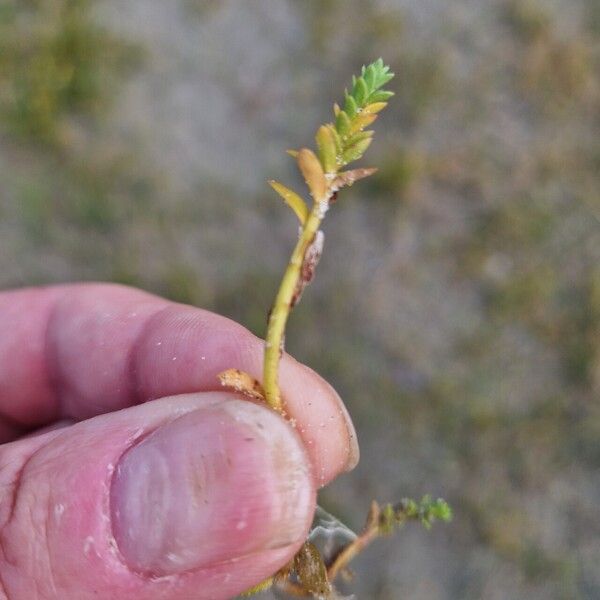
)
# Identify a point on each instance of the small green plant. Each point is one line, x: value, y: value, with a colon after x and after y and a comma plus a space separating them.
x: 340, y: 143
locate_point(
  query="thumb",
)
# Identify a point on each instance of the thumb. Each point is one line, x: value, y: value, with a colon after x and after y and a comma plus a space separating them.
x: 201, y: 495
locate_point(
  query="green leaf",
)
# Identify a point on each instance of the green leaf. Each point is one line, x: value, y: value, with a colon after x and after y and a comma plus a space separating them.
x: 361, y: 135
x: 387, y: 520
x: 382, y: 78
x: 326, y: 144
x: 342, y: 123
x: 441, y: 510
x: 380, y: 96
x: 360, y: 91
x: 368, y: 74
x: 381, y: 74
x: 350, y: 106
x: 336, y: 137
x: 355, y: 151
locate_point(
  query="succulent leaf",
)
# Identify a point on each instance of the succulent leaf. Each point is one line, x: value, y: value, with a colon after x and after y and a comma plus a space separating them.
x: 360, y: 91
x: 293, y: 200
x: 336, y: 138
x: 375, y: 107
x: 361, y: 106
x: 380, y: 96
x: 368, y: 74
x: 355, y: 151
x: 326, y: 143
x: 361, y: 135
x: 361, y: 121
x: 342, y: 123
x: 313, y: 174
x: 350, y: 105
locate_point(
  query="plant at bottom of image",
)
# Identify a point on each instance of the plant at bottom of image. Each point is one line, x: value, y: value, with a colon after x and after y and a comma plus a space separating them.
x: 331, y: 545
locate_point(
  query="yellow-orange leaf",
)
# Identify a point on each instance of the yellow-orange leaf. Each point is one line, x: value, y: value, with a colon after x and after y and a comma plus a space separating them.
x: 361, y: 121
x: 311, y: 169
x: 293, y: 200
x: 375, y: 107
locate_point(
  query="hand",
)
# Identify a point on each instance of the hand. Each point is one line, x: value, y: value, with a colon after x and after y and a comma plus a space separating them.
x: 147, y: 480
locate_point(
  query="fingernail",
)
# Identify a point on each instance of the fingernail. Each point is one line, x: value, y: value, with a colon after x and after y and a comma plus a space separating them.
x: 353, y: 447
x: 213, y: 485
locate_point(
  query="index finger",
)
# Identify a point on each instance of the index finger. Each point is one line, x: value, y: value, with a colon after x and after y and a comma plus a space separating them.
x: 77, y: 351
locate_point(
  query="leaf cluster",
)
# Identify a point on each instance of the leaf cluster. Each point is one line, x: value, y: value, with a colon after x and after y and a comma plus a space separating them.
x: 346, y: 140
x: 427, y: 511
x: 340, y: 142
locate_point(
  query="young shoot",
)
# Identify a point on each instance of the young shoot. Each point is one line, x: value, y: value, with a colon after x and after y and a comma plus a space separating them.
x: 338, y: 143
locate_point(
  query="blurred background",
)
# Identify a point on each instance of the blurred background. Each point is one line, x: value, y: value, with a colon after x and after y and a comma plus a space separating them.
x: 457, y: 306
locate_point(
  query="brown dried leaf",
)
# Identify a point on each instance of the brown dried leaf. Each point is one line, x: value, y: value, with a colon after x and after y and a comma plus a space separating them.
x: 309, y: 264
x: 373, y: 515
x: 347, y: 178
x: 242, y: 382
x: 312, y: 572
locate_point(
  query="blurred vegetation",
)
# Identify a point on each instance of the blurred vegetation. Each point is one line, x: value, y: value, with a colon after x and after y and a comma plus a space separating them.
x: 56, y: 64
x: 457, y: 307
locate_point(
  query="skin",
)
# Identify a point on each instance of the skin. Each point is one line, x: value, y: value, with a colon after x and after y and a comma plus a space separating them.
x: 127, y: 472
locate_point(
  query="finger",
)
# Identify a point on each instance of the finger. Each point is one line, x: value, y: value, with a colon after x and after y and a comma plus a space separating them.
x: 78, y: 351
x: 200, y: 496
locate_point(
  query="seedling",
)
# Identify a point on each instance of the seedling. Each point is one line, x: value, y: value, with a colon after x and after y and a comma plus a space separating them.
x: 313, y: 570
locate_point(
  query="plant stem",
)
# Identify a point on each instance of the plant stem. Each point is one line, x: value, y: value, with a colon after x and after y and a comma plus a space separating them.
x: 338, y: 144
x: 284, y: 301
x: 369, y: 533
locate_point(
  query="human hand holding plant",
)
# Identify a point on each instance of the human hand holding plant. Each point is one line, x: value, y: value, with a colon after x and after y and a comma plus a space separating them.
x: 150, y: 482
